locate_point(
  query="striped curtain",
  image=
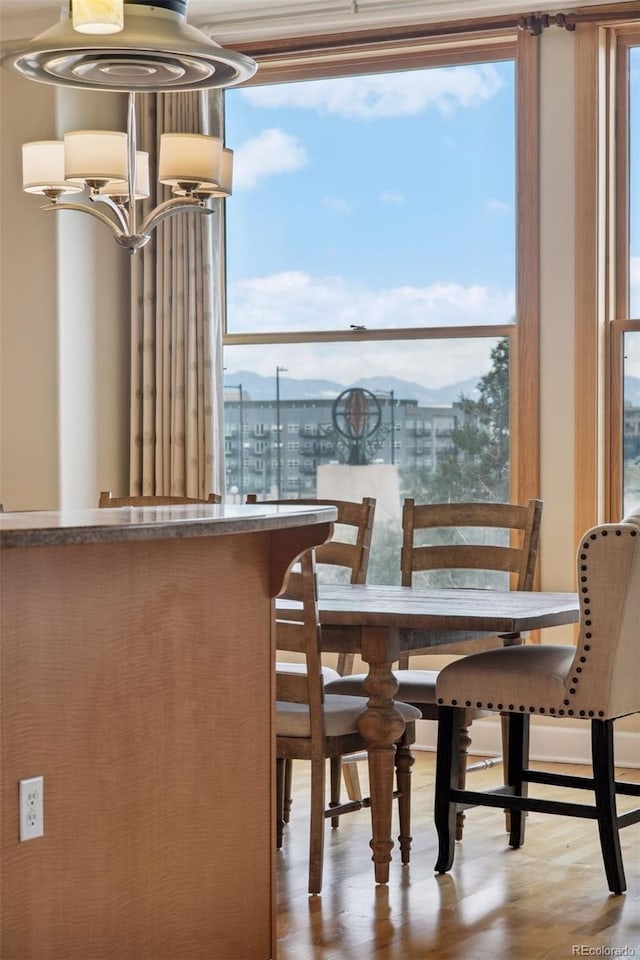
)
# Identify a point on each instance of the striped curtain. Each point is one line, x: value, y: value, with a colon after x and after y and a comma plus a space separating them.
x: 176, y: 335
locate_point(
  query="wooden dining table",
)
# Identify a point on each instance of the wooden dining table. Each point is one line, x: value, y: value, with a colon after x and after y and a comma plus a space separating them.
x: 381, y: 622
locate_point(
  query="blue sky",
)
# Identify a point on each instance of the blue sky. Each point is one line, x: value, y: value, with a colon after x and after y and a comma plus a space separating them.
x: 385, y: 200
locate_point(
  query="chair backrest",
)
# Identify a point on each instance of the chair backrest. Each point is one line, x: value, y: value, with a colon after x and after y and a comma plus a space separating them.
x: 106, y: 500
x: 519, y: 523
x: 298, y: 631
x: 355, y: 521
x: 603, y: 679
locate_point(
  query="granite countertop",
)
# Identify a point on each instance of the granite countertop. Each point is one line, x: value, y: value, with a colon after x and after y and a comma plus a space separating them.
x: 122, y: 524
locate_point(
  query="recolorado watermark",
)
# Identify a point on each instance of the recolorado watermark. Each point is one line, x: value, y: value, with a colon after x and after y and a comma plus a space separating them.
x: 582, y: 950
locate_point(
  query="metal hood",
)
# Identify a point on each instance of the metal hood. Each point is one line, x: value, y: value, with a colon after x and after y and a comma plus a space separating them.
x: 156, y: 51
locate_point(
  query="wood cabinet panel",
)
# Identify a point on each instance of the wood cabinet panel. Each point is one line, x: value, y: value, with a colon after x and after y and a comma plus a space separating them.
x: 119, y: 685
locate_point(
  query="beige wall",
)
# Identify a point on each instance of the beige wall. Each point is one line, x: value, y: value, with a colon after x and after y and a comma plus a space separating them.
x: 64, y: 302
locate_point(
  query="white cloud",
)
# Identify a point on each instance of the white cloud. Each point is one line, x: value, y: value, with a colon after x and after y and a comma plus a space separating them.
x: 497, y: 208
x: 385, y: 95
x: 433, y: 363
x: 390, y: 197
x: 295, y: 300
x: 271, y: 152
x: 337, y: 204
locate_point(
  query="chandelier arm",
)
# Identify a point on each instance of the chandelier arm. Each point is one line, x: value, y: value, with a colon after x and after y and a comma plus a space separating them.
x: 115, y: 209
x: 84, y: 209
x: 168, y: 208
x: 132, y: 137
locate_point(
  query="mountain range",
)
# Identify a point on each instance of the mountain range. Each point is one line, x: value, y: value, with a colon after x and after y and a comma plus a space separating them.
x: 256, y: 387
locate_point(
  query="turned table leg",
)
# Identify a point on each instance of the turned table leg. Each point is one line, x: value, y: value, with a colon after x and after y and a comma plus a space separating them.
x: 381, y: 725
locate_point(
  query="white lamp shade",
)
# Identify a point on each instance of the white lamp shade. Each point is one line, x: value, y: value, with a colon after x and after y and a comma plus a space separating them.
x: 98, y: 16
x: 43, y: 168
x: 141, y: 189
x: 95, y: 155
x: 189, y: 158
x: 226, y: 177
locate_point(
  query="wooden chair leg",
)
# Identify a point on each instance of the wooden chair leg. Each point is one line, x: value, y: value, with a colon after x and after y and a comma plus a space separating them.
x: 316, y: 826
x: 280, y: 768
x: 464, y: 742
x: 516, y: 763
x: 336, y: 775
x: 605, y: 800
x: 351, y: 776
x: 344, y: 666
x: 404, y: 761
x: 288, y: 794
x: 447, y: 763
x: 504, y: 723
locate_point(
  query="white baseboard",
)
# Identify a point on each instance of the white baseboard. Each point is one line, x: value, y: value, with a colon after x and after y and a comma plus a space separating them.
x: 554, y: 743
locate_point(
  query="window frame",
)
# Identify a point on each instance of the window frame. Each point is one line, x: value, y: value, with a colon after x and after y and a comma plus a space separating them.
x: 621, y: 322
x: 602, y: 267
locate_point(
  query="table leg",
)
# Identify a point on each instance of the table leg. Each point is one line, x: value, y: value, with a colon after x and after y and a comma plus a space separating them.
x: 381, y: 725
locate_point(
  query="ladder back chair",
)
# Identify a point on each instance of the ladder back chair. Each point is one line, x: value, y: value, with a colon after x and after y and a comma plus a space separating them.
x: 107, y: 500
x: 349, y: 549
x: 315, y: 726
x: 519, y: 527
x: 596, y: 680
x: 350, y: 544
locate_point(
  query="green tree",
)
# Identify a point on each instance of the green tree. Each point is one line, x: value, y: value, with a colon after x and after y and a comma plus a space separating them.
x: 477, y: 465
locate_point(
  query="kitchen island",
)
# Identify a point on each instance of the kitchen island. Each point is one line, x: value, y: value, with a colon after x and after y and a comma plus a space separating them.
x: 137, y: 680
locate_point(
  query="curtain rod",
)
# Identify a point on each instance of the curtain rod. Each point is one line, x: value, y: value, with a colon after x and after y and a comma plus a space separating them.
x: 534, y: 23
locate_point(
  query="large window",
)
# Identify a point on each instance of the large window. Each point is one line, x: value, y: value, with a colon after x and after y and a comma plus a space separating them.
x: 631, y: 344
x: 623, y: 308
x: 373, y: 291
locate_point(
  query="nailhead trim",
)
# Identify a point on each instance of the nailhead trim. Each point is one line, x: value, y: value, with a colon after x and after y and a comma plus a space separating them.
x: 583, y: 659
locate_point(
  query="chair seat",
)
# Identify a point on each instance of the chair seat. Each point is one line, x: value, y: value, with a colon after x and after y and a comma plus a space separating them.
x: 414, y: 686
x: 340, y: 716
x: 531, y: 678
x: 328, y: 673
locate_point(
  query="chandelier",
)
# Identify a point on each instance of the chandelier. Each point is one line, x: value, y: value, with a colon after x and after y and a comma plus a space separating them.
x: 139, y: 45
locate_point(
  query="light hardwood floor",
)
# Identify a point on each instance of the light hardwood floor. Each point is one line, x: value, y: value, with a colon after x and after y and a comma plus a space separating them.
x: 547, y: 901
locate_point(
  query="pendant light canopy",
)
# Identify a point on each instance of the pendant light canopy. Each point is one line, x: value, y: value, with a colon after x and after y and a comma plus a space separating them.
x: 157, y: 51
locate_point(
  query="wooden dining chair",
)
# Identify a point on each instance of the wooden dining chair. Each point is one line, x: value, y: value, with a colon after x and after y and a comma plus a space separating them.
x: 315, y: 726
x: 107, y: 500
x: 350, y: 544
x: 458, y: 540
x: 347, y: 552
x: 596, y: 680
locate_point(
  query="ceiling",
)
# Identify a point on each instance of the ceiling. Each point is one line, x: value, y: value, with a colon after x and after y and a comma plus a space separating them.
x: 239, y: 20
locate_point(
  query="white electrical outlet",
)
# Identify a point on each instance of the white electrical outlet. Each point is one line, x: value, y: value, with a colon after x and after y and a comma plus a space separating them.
x: 31, y: 808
